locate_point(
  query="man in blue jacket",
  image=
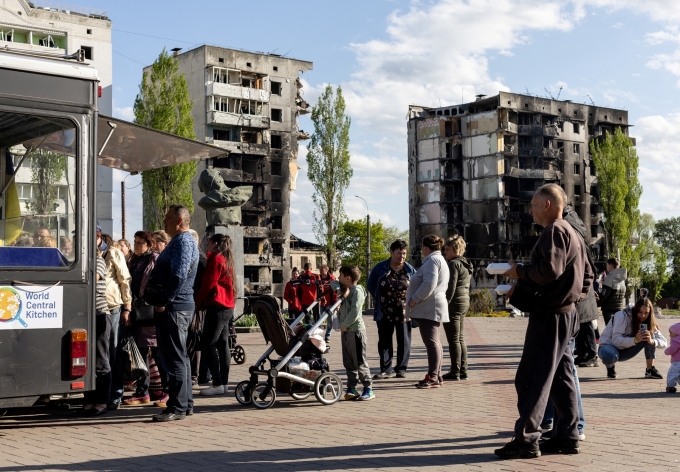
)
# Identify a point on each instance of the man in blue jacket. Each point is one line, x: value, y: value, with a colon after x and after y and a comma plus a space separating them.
x: 175, y: 271
x: 388, y: 282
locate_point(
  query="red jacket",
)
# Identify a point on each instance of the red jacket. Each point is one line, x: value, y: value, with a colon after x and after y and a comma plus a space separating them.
x: 217, y: 287
x: 291, y: 295
x: 308, y: 292
x: 329, y: 297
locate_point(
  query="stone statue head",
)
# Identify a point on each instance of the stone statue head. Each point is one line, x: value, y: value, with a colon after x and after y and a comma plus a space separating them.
x: 211, y: 179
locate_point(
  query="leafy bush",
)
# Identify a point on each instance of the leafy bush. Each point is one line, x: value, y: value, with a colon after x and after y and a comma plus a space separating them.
x: 482, y: 302
x: 495, y: 314
x: 246, y: 321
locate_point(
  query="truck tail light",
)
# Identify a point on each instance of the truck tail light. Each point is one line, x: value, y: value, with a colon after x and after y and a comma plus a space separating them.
x: 78, y: 352
x: 99, y: 91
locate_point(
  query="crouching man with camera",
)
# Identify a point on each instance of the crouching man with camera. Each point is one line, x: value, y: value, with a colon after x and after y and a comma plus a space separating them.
x: 632, y: 330
x: 557, y: 277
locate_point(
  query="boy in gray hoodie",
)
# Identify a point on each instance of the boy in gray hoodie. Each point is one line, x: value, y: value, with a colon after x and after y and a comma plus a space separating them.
x: 353, y: 332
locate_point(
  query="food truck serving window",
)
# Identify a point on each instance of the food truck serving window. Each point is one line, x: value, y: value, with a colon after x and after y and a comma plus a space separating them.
x: 39, y: 193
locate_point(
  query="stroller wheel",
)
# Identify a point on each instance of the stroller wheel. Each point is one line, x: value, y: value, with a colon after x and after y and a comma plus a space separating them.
x: 328, y: 388
x: 261, y: 398
x: 239, y: 354
x: 243, y: 394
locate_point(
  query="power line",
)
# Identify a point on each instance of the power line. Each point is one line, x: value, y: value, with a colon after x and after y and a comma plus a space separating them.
x: 131, y: 59
x: 152, y: 36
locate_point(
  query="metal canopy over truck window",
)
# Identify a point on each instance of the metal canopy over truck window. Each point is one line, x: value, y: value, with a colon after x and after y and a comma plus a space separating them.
x: 134, y: 148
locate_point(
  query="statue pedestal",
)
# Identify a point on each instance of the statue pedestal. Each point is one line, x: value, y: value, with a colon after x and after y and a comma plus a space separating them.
x: 236, y: 235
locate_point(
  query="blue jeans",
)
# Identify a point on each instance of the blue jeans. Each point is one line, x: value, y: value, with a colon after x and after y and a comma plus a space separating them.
x: 171, y: 335
x: 549, y: 415
x: 610, y: 355
x: 114, y: 340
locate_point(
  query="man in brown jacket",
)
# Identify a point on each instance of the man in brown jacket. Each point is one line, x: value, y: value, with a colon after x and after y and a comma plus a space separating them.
x: 559, y: 267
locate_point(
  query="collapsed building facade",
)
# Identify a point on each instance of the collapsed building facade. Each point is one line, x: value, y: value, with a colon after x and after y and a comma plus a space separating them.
x: 474, y: 168
x: 248, y: 103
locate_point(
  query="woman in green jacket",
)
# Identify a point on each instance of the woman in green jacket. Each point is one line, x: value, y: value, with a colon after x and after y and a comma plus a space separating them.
x: 458, y: 296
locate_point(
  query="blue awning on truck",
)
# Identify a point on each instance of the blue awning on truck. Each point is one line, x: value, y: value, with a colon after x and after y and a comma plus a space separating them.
x: 134, y: 148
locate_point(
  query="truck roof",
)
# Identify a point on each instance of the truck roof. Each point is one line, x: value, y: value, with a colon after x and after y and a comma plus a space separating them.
x: 46, y: 64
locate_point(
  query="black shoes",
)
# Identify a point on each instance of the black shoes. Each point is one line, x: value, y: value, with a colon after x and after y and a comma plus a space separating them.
x: 611, y: 372
x: 518, y: 450
x: 384, y: 375
x: 169, y: 416
x: 652, y: 373
x: 592, y: 362
x: 670, y: 390
x: 450, y: 376
x: 463, y: 376
x: 560, y: 445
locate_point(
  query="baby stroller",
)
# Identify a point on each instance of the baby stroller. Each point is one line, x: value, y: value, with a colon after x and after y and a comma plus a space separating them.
x: 325, y: 385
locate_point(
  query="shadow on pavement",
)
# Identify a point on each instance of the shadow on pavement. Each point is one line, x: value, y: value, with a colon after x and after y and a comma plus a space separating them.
x: 299, y: 458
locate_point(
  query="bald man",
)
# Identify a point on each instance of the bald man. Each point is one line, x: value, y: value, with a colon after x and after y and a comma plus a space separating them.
x: 560, y: 272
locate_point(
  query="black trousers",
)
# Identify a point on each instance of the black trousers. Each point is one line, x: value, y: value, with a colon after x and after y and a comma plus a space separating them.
x: 216, y: 342
x: 546, y: 371
x: 585, y: 341
x: 315, y: 313
x: 143, y: 384
x: 386, y: 329
x: 607, y: 315
x: 102, y: 391
x: 454, y: 330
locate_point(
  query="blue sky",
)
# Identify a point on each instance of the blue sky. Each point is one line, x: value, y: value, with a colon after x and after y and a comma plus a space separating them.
x: 389, y: 54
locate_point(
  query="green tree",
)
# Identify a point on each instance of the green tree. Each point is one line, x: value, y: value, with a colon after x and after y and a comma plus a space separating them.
x: 616, y: 162
x: 47, y: 170
x: 667, y: 234
x: 392, y: 233
x: 652, y: 257
x: 163, y: 103
x: 329, y: 169
x: 351, y: 243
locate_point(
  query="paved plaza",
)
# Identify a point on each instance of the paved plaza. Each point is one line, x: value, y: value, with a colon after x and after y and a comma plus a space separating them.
x: 632, y: 424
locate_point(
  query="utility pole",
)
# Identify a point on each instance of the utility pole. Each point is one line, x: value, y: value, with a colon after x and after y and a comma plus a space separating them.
x: 122, y: 207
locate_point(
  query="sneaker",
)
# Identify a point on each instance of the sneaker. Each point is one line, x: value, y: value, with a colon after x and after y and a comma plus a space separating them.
x: 581, y: 436
x: 450, y: 376
x: 428, y: 382
x: 560, y: 445
x: 518, y: 450
x: 547, y: 427
x: 592, y: 362
x: 137, y: 400
x: 351, y: 394
x: 611, y: 372
x: 367, y: 394
x: 162, y: 402
x: 169, y: 416
x: 652, y: 373
x: 463, y: 376
x: 401, y: 374
x: 384, y: 375
x: 670, y: 390
x: 219, y: 390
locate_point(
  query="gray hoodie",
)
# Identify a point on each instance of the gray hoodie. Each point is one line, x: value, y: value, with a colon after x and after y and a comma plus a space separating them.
x: 428, y: 290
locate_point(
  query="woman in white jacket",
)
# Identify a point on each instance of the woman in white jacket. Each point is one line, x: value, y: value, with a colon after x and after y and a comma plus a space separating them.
x: 630, y: 331
x: 427, y: 304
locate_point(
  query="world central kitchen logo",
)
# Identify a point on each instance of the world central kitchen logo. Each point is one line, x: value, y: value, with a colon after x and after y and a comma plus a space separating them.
x: 15, y: 306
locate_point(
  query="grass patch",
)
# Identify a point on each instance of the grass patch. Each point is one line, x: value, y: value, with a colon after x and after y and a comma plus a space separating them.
x: 248, y: 320
x: 494, y: 314
x: 669, y: 312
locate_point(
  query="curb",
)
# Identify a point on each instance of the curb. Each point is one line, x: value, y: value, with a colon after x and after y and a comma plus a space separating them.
x: 248, y: 329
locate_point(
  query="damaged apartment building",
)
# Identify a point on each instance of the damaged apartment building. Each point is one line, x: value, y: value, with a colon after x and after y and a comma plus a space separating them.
x: 473, y: 169
x: 248, y: 103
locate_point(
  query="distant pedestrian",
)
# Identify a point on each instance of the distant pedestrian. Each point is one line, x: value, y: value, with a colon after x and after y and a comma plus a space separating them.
x: 173, y: 276
x: 326, y: 298
x: 308, y: 291
x: 291, y: 294
x: 612, y: 296
x: 673, y: 376
x: 560, y: 272
x: 217, y: 296
x: 353, y: 333
x: 427, y: 304
x: 631, y: 331
x: 458, y: 297
x: 388, y: 282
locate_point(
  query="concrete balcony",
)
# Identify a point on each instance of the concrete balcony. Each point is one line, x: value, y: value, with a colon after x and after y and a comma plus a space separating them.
x: 534, y: 174
x: 236, y: 91
x: 552, y: 153
x: 261, y: 260
x: 236, y: 147
x: 510, y: 127
x: 531, y: 130
x: 233, y: 119
x: 256, y: 232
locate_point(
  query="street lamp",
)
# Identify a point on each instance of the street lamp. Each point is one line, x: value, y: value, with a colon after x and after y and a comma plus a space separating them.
x: 368, y: 238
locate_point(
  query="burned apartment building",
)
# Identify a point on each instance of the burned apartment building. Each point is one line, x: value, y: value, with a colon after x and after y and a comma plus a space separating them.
x: 473, y: 169
x: 248, y: 103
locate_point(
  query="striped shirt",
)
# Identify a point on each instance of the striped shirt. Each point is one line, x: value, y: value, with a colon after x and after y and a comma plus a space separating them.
x: 100, y: 292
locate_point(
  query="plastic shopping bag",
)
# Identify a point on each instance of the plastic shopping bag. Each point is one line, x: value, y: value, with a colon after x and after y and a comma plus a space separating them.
x: 134, y: 367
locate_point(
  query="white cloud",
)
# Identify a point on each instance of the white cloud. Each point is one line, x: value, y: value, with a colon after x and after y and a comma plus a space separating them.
x: 124, y: 113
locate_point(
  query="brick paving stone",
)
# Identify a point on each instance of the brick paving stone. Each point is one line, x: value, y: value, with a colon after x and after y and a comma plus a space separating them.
x: 631, y: 422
